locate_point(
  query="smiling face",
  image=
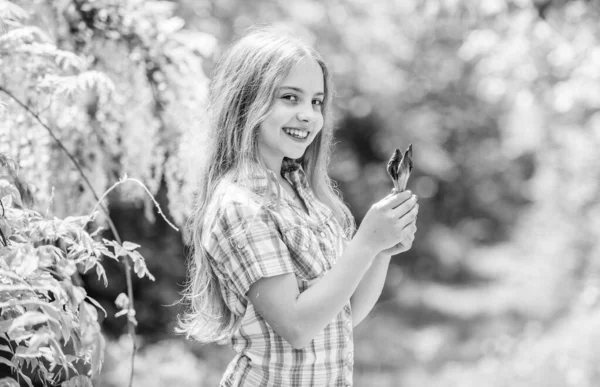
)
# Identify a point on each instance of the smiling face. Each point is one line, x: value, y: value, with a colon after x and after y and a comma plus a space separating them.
x: 296, y: 116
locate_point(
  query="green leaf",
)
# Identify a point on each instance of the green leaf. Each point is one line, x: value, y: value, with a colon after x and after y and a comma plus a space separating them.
x: 10, y: 274
x: 76, y: 294
x: 122, y: 301
x: 24, y: 35
x: 67, y: 60
x: 7, y: 381
x: 136, y: 256
x: 4, y: 325
x: 97, y: 305
x: 5, y: 348
x: 39, y: 338
x: 28, y: 318
x: 49, y: 255
x: 130, y: 246
x: 104, y: 251
x: 66, y: 267
x: 7, y: 190
x: 9, y: 163
x: 5, y: 228
x: 16, y: 288
x: 57, y: 331
x: 66, y: 324
x: 11, y: 11
x: 76, y: 337
x: 7, y: 362
x: 122, y: 252
x: 57, y: 350
x: 101, y: 273
x: 76, y: 222
x: 89, y: 311
x: 26, y: 352
x: 139, y: 267
x: 26, y: 378
x: 24, y: 261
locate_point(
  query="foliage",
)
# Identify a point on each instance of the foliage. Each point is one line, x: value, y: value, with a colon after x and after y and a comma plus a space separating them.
x: 59, y: 89
x: 499, y: 99
x: 122, y: 86
x: 48, y: 322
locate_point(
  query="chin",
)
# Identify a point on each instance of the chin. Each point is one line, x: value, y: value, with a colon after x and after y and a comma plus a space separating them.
x: 295, y: 155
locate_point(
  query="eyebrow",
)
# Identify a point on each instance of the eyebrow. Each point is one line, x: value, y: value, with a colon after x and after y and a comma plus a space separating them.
x: 299, y: 90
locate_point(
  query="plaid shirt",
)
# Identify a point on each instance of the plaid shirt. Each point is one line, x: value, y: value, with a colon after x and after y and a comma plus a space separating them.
x: 246, y: 242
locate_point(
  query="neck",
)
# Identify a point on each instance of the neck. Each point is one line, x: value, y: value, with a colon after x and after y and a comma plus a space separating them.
x: 274, y: 165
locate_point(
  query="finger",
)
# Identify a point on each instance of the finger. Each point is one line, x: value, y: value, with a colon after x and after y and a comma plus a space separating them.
x: 408, y: 233
x: 409, y: 217
x: 404, y: 208
x: 409, y: 227
x: 396, y: 199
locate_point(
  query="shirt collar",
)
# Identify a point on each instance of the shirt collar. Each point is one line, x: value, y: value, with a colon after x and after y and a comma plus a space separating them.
x: 258, y: 181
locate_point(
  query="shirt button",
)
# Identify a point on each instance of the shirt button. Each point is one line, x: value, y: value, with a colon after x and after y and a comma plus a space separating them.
x: 349, y: 325
x: 241, y: 245
x: 322, y: 234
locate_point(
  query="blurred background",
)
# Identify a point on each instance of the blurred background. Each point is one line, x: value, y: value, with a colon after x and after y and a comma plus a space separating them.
x: 500, y: 99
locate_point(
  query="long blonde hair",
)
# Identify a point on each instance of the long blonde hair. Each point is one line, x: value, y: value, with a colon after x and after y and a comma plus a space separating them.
x: 241, y: 94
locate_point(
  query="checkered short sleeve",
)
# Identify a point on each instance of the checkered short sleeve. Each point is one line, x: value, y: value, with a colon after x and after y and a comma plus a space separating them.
x: 244, y: 246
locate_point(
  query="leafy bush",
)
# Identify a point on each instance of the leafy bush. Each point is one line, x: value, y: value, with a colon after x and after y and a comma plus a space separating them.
x: 48, y: 323
x: 83, y: 84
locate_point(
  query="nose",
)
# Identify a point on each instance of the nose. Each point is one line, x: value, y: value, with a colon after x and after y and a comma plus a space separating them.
x: 306, y: 114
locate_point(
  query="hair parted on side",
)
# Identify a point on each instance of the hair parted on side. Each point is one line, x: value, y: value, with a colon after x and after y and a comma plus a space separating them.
x: 241, y: 95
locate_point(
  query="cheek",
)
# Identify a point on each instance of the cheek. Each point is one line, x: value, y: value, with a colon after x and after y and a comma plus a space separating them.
x: 269, y: 126
x: 278, y: 116
x: 319, y: 122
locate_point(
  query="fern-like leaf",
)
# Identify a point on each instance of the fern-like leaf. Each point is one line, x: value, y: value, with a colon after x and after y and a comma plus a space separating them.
x: 73, y: 85
x: 24, y: 35
x: 67, y: 60
x: 11, y: 11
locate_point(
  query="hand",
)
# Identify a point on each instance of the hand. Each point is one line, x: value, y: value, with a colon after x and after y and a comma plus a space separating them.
x: 404, y: 245
x: 383, y: 227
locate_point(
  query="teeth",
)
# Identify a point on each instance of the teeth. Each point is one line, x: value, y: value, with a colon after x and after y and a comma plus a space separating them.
x: 296, y: 133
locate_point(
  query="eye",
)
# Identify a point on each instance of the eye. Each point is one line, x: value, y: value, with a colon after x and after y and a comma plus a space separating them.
x: 291, y: 97
x: 318, y: 102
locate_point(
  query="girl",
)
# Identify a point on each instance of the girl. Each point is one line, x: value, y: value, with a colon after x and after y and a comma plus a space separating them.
x: 279, y: 271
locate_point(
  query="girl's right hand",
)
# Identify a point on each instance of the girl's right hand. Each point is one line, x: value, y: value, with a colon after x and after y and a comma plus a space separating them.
x: 382, y: 226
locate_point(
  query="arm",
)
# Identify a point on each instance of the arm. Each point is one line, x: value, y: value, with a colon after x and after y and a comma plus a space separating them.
x: 299, y: 317
x: 366, y: 295
x: 368, y: 291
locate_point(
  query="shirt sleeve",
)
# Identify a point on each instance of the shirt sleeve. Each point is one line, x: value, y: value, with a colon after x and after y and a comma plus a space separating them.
x: 245, y: 246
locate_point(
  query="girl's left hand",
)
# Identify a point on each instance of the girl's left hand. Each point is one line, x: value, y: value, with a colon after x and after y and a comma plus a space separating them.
x: 405, y: 244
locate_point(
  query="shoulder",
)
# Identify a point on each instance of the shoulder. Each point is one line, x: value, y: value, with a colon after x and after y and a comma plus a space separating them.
x: 233, y: 206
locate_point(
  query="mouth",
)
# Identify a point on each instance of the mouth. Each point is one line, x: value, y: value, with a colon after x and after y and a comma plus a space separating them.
x: 296, y: 134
